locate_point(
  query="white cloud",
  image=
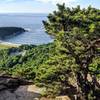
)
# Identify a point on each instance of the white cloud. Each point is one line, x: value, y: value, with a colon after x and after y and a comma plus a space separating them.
x: 45, y: 1
x: 56, y: 1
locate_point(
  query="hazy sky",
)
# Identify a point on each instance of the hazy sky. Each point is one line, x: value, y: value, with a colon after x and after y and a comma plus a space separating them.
x: 41, y: 6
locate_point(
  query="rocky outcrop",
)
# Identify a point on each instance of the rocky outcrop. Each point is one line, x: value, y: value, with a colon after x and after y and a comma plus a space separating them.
x: 11, y: 83
x: 12, y: 88
x: 25, y: 92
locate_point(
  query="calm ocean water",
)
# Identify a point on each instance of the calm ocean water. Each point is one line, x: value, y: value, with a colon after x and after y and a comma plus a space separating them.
x: 32, y: 22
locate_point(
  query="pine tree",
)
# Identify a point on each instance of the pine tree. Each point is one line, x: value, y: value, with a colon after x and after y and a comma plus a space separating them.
x: 77, y: 34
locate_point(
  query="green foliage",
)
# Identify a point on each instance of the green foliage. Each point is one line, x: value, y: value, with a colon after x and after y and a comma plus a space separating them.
x: 54, y: 75
x: 77, y: 36
x: 13, y: 62
x: 63, y: 66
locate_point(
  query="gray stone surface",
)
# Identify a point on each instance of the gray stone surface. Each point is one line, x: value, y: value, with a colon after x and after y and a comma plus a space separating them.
x: 17, y: 89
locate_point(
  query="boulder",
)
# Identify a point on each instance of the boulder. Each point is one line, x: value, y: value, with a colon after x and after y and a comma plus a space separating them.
x: 11, y: 83
x: 12, y: 88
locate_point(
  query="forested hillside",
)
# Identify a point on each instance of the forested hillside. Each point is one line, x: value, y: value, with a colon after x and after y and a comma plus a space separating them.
x: 10, y: 31
x: 23, y: 61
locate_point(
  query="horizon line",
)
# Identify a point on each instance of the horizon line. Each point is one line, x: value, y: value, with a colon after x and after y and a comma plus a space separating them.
x: 25, y: 12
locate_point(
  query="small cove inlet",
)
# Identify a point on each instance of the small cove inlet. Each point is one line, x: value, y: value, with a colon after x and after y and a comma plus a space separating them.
x: 35, y: 33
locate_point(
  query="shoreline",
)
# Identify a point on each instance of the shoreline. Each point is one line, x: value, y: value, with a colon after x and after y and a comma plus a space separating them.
x: 9, y: 44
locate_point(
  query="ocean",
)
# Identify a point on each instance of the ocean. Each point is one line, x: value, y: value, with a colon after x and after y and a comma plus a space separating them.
x: 32, y: 22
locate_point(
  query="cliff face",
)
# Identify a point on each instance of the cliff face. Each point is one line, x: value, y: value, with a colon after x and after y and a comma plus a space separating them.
x: 10, y: 31
x: 17, y: 89
x: 11, y: 83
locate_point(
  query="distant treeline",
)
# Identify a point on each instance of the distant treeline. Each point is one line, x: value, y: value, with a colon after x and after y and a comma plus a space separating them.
x: 10, y: 31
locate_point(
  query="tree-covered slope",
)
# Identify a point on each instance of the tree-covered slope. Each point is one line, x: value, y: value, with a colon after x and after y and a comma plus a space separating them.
x: 24, y: 61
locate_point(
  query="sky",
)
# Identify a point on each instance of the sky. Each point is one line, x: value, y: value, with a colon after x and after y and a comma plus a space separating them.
x: 41, y: 6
